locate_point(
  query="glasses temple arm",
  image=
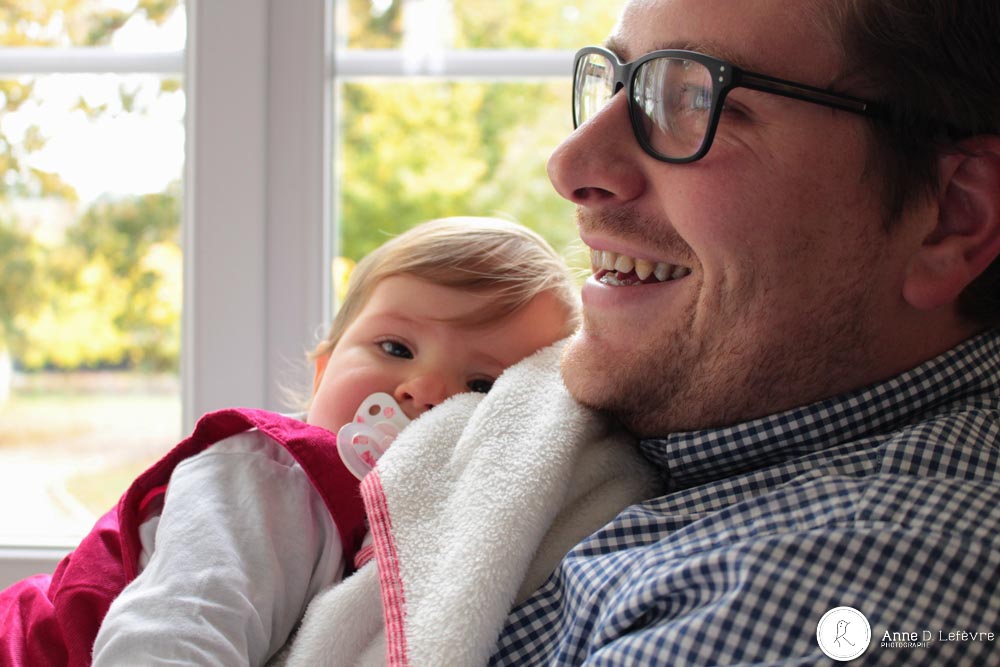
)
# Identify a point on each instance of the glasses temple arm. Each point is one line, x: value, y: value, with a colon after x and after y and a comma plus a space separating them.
x: 798, y: 91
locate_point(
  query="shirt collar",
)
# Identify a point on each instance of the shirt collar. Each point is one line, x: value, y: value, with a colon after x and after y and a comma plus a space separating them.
x: 698, y: 457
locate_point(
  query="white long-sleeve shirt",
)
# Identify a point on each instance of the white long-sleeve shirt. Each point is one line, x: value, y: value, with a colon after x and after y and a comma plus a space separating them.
x: 242, y: 545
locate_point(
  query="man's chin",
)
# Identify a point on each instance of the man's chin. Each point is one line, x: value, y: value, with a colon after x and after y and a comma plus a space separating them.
x: 594, y: 377
x: 578, y: 370
x: 648, y: 393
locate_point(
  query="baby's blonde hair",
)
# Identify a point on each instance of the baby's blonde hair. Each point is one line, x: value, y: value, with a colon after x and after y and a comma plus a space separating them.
x: 492, y: 256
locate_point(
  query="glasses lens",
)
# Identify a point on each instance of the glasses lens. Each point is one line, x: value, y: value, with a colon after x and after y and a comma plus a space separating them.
x: 593, y: 86
x: 672, y: 105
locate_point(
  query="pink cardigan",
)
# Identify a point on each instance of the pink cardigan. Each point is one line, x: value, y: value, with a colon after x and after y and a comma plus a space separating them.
x: 53, y: 619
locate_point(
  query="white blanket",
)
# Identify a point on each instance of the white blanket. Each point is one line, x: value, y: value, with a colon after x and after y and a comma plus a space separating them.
x: 471, y: 509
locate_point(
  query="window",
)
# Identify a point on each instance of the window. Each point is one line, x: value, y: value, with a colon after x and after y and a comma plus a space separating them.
x: 451, y: 107
x: 91, y: 160
x: 314, y: 128
x: 254, y: 199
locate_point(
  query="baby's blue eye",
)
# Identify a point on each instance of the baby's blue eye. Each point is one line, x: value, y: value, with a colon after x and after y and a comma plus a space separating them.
x: 396, y: 349
x: 480, y: 386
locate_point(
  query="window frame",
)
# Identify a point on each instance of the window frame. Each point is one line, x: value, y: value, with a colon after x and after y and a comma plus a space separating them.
x: 259, y: 187
x: 254, y: 193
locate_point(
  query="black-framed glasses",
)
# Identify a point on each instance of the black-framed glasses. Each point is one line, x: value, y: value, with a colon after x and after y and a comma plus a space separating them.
x: 675, y: 97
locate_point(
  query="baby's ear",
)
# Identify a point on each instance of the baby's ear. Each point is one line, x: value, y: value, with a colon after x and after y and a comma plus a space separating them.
x: 966, y: 238
x: 321, y: 363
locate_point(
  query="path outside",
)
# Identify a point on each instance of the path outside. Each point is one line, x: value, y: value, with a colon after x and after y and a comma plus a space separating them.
x: 70, y: 444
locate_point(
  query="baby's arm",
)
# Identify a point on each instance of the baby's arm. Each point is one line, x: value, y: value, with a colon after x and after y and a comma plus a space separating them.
x: 243, y: 543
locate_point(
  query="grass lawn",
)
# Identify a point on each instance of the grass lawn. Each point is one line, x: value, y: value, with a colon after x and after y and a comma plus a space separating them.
x: 81, y: 446
x: 99, y: 491
x: 71, y: 420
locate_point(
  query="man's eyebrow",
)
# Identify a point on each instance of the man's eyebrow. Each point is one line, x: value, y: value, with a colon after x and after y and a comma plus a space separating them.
x: 618, y: 47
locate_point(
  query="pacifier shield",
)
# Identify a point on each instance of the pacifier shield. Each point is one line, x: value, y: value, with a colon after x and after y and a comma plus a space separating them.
x: 377, y: 422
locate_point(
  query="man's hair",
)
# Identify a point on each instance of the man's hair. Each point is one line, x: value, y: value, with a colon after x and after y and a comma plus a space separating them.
x: 935, y: 65
x: 504, y: 260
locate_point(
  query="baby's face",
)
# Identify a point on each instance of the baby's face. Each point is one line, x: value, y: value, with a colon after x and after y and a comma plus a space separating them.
x: 405, y: 342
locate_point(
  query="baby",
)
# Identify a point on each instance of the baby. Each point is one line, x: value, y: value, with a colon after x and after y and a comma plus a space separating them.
x: 245, y: 537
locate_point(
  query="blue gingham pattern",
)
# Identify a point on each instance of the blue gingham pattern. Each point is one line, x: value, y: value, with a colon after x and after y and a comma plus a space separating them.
x: 886, y: 500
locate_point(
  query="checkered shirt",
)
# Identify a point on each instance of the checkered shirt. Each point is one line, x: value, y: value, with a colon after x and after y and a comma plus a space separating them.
x: 886, y: 500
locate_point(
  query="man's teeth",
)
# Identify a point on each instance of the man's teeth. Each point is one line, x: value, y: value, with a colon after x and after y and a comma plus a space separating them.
x: 624, y: 264
x: 605, y: 260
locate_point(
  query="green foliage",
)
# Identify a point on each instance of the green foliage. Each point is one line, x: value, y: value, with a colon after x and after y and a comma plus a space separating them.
x: 415, y: 151
x: 108, y: 292
x: 490, y: 24
x: 139, y: 240
x: 538, y: 24
x: 13, y: 94
x: 374, y: 25
x: 71, y: 22
x: 157, y: 11
x: 112, y: 295
x: 19, y: 278
x: 74, y: 325
x: 16, y: 177
x: 122, y: 231
x: 55, y: 23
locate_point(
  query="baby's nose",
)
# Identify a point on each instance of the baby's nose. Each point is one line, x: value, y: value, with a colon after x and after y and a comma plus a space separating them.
x: 420, y: 393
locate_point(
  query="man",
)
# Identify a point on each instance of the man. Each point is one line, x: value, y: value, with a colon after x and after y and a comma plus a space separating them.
x: 792, y: 306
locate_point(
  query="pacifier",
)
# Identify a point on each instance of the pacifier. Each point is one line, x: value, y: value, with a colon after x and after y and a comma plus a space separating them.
x: 377, y: 422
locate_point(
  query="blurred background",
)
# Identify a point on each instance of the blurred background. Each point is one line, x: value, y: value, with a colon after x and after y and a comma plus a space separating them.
x: 434, y: 108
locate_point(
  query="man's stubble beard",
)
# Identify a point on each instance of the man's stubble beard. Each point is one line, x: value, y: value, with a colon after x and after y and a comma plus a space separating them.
x: 650, y: 391
x: 769, y: 358
x: 692, y: 382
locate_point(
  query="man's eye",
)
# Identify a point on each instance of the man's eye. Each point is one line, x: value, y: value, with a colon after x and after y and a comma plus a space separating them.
x: 396, y: 349
x: 731, y: 109
x: 480, y: 386
x: 694, y: 98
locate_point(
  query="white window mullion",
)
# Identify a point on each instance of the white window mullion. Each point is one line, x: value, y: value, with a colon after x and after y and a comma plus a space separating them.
x: 256, y: 244
x: 224, y: 324
x: 491, y: 64
x: 87, y: 60
x: 299, y: 225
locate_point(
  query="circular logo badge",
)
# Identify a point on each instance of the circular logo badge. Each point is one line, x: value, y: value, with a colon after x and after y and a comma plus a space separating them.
x: 843, y: 633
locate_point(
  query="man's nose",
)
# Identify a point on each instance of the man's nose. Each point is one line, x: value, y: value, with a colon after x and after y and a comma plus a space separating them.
x: 419, y: 393
x: 600, y: 162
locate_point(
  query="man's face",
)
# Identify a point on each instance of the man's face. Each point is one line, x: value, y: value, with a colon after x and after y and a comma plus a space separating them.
x: 788, y: 279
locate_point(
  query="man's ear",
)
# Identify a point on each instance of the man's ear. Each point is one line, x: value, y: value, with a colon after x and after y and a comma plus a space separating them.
x: 966, y: 238
x: 321, y: 363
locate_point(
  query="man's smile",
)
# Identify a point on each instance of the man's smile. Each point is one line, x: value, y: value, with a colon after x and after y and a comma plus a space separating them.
x: 619, y: 270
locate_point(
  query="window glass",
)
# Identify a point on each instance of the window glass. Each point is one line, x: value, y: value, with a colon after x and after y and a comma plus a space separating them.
x: 414, y: 149
x: 90, y: 266
x: 476, y: 24
x: 421, y: 149
x: 128, y: 25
